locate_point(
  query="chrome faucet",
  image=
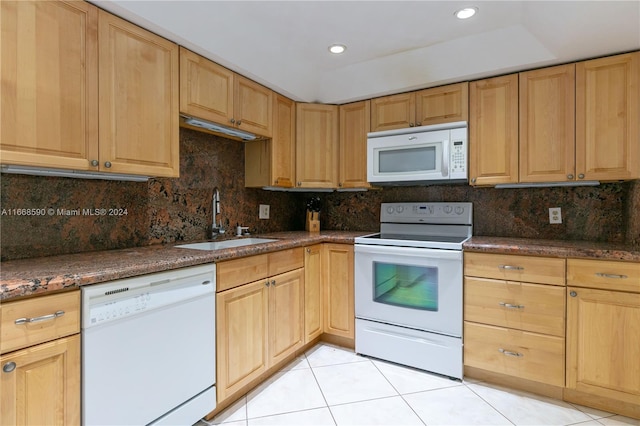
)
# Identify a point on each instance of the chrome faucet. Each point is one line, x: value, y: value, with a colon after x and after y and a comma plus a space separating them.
x: 215, y: 229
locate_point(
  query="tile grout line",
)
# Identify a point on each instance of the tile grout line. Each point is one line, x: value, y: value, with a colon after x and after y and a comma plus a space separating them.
x: 489, y: 404
x: 320, y: 387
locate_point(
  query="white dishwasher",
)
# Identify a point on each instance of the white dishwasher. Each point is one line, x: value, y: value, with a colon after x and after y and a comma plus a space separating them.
x: 148, y: 349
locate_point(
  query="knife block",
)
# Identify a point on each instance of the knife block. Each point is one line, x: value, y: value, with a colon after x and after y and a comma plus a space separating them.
x: 312, y: 224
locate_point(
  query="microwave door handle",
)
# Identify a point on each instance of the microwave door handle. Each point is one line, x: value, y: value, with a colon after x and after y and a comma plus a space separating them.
x: 445, y: 158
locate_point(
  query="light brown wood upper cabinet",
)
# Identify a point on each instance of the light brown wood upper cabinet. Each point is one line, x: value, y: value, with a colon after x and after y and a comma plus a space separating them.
x: 271, y: 162
x: 493, y: 130
x: 437, y: 105
x: 56, y: 125
x: 139, y: 120
x: 354, y: 126
x: 547, y: 123
x: 49, y: 101
x: 214, y: 93
x: 607, y: 111
x: 316, y: 145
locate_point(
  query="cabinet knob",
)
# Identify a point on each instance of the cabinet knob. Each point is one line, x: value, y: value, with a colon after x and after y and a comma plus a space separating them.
x: 581, y: 176
x: 418, y: 124
x: 273, y: 282
x: 266, y: 283
x: 107, y: 164
x: 9, y: 367
x: 473, y: 180
x: 239, y: 122
x: 573, y: 294
x: 94, y: 163
x: 233, y: 120
x: 299, y: 183
x: 569, y: 176
x: 275, y: 182
x: 308, y: 250
x: 411, y: 124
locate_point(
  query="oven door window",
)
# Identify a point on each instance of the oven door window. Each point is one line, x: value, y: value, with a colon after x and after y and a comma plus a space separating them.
x: 407, y: 286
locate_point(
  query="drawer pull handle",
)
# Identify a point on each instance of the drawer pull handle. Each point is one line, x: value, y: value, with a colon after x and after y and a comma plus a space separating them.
x: 509, y: 353
x: 511, y: 267
x: 21, y: 321
x: 604, y: 275
x: 510, y: 306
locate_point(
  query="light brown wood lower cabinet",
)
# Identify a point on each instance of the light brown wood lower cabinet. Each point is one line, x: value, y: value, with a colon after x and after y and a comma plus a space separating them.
x: 313, y: 301
x: 44, y: 387
x: 339, y: 315
x: 258, y: 324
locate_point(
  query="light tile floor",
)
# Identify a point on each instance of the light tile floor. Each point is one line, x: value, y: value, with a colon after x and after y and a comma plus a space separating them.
x: 329, y: 385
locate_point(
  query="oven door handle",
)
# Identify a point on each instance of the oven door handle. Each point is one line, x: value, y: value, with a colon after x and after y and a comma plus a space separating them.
x: 424, y: 253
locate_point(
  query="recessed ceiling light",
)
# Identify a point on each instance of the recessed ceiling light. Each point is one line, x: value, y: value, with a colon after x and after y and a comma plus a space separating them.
x: 337, y: 48
x: 466, y: 13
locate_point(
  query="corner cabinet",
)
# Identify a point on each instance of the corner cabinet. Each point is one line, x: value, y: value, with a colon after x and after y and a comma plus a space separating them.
x: 49, y: 118
x: 603, y: 335
x: 354, y: 126
x: 40, y: 378
x: 493, y: 130
x: 271, y: 162
x: 138, y: 83
x: 607, y: 125
x: 317, y: 141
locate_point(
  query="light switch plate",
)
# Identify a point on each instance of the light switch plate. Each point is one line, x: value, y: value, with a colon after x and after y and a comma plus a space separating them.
x: 555, y: 215
x: 264, y: 211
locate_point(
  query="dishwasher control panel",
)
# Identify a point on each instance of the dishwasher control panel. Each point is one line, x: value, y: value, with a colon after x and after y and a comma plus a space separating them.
x: 112, y: 301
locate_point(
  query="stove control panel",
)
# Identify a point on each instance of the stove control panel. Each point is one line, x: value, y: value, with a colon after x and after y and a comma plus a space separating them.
x: 447, y: 213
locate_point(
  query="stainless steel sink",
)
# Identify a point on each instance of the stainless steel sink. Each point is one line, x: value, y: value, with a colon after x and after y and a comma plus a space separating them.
x: 219, y: 245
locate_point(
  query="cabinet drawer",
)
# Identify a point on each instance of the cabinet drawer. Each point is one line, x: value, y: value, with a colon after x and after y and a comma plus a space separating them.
x: 530, y: 307
x: 604, y: 274
x: 233, y: 273
x: 44, y: 325
x: 516, y: 353
x: 285, y: 261
x: 543, y: 270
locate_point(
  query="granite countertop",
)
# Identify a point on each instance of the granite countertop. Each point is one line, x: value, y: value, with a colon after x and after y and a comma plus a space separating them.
x: 38, y: 276
x: 553, y: 248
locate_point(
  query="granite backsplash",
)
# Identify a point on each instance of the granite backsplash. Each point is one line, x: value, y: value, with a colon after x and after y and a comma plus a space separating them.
x: 165, y: 210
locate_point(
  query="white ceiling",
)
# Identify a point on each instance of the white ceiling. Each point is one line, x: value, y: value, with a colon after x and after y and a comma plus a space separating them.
x: 392, y: 46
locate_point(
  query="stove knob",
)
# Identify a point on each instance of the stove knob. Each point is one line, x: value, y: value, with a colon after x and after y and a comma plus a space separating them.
x: 459, y: 210
x: 390, y: 210
x: 400, y: 209
x: 448, y: 209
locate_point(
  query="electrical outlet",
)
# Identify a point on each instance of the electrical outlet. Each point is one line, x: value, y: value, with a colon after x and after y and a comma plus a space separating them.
x: 264, y: 211
x: 555, y: 215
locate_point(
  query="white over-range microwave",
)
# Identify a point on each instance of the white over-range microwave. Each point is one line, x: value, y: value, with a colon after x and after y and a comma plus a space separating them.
x: 418, y: 155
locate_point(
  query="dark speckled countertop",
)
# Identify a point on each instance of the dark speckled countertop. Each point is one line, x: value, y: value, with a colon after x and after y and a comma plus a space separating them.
x: 553, y: 248
x: 38, y: 276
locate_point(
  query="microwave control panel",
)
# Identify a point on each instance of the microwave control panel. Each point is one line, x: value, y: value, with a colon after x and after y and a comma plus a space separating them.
x: 458, y: 154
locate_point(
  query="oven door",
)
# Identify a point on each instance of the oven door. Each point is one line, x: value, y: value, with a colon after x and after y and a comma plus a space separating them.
x: 412, y: 287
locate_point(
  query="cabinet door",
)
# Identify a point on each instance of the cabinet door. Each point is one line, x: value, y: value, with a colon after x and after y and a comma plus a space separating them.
x: 312, y: 292
x: 607, y: 110
x: 603, y: 343
x: 241, y: 336
x: 316, y: 146
x: 445, y: 104
x: 493, y: 130
x: 393, y: 112
x: 286, y: 304
x: 206, y: 88
x: 252, y: 106
x: 354, y: 126
x: 139, y: 115
x: 339, y: 317
x: 283, y: 147
x: 44, y: 387
x: 49, y: 72
x: 547, y: 124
